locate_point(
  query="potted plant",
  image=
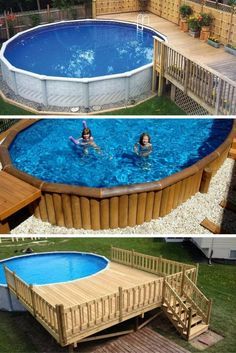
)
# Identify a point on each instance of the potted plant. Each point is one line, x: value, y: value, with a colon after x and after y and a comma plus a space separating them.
x: 214, y: 42
x: 205, y: 20
x: 230, y: 48
x: 185, y: 11
x: 194, y: 26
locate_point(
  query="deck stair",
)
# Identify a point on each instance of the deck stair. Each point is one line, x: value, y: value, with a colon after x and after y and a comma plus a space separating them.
x: 232, y: 151
x: 186, y: 307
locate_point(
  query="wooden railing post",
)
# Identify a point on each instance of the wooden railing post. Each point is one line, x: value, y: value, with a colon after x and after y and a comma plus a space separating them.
x: 120, y: 303
x: 182, y: 283
x: 6, y: 23
x: 196, y: 273
x: 218, y: 92
x: 154, y: 72
x: 163, y: 290
x: 161, y: 73
x: 32, y: 299
x: 61, y: 324
x: 189, y: 322
x: 186, y: 75
x: 209, y: 311
x: 132, y: 258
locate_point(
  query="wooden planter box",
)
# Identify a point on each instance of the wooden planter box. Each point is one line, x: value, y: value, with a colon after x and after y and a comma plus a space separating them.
x: 230, y: 50
x: 194, y: 34
x: 183, y: 25
x: 213, y: 44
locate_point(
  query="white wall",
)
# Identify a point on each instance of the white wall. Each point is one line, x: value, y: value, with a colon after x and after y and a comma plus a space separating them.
x: 221, y: 246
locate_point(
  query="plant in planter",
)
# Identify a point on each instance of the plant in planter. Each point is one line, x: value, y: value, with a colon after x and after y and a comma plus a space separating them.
x: 205, y: 20
x: 185, y: 11
x: 214, y: 42
x: 230, y: 48
x: 194, y: 26
x: 143, y: 5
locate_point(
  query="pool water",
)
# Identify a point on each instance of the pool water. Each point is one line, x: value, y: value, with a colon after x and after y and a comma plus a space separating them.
x: 82, y: 49
x: 45, y: 151
x: 49, y: 268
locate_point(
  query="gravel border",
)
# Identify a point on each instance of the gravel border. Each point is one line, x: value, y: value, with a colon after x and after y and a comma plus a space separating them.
x: 185, y: 219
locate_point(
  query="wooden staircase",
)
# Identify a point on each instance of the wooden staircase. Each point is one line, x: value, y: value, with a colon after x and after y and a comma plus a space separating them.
x: 232, y: 151
x: 186, y: 307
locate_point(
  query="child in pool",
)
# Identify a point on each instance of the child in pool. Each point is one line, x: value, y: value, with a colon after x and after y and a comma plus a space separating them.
x: 87, y: 140
x: 143, y: 148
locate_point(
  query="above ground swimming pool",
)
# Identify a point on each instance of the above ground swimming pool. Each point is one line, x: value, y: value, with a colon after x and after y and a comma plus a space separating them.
x: 115, y: 188
x: 39, y: 269
x: 80, y: 63
x: 45, y: 151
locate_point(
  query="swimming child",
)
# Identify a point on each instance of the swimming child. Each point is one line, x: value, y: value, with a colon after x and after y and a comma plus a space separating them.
x: 86, y: 140
x: 143, y: 148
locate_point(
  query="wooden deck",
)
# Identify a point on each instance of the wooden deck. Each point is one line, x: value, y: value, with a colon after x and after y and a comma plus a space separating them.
x: 94, y: 287
x: 193, y: 48
x: 143, y: 341
x: 132, y: 285
x: 14, y: 195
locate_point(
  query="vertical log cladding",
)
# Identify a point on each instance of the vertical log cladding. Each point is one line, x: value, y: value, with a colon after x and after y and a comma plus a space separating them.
x: 157, y: 204
x: 50, y: 209
x: 85, y: 212
x: 133, y: 205
x: 205, y: 182
x: 104, y: 214
x: 57, y: 202
x: 114, y: 212
x: 95, y: 214
x: 170, y: 201
x: 149, y: 206
x: 43, y: 208
x: 66, y: 206
x: 164, y: 200
x: 123, y: 211
x: 141, y: 207
x: 76, y: 211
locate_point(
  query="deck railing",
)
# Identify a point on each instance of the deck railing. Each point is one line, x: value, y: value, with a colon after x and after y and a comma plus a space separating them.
x: 76, y: 322
x: 213, y: 91
x: 197, y: 299
x: 152, y: 264
x: 44, y: 312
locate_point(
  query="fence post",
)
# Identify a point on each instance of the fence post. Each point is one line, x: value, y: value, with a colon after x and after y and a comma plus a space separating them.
x: 48, y: 12
x: 218, y: 92
x: 154, y: 73
x: 7, y: 27
x: 186, y: 77
x: 61, y: 324
x: 94, y: 14
x: 120, y: 303
x: 32, y: 299
x: 132, y: 258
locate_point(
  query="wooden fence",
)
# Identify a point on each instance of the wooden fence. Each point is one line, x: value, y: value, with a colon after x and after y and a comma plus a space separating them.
x: 223, y: 27
x: 29, y: 19
x: 152, y: 264
x: 214, y: 92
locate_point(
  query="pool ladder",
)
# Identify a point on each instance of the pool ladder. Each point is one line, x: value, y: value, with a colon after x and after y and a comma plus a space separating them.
x: 141, y: 21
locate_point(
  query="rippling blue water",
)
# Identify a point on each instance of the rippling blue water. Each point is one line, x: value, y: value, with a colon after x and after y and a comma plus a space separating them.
x: 40, y: 268
x: 45, y: 151
x: 82, y: 49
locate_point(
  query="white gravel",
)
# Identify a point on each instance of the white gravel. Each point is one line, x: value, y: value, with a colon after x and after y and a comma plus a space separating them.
x: 185, y: 219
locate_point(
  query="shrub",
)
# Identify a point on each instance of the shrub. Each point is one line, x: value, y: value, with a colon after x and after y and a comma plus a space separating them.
x: 194, y: 23
x: 205, y: 19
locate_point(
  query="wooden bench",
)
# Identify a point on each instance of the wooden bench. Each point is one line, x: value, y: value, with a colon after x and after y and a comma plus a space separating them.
x: 14, y: 195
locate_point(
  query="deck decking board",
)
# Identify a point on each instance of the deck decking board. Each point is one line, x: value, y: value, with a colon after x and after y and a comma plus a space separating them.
x: 193, y: 48
x: 80, y: 291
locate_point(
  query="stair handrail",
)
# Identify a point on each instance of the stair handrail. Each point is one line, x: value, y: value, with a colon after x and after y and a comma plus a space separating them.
x: 193, y: 294
x: 186, y: 324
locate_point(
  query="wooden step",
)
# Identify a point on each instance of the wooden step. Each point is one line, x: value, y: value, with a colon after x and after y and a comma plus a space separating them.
x: 228, y: 205
x: 197, y: 330
x: 234, y: 144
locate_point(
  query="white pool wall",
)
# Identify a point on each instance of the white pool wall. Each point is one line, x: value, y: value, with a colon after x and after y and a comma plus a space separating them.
x: 73, y: 92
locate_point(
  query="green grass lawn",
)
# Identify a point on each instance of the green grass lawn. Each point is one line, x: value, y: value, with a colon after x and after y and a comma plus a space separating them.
x: 217, y: 282
x: 154, y: 106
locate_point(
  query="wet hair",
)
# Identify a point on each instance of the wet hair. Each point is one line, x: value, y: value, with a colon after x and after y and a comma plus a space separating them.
x: 142, y: 136
x: 86, y: 131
